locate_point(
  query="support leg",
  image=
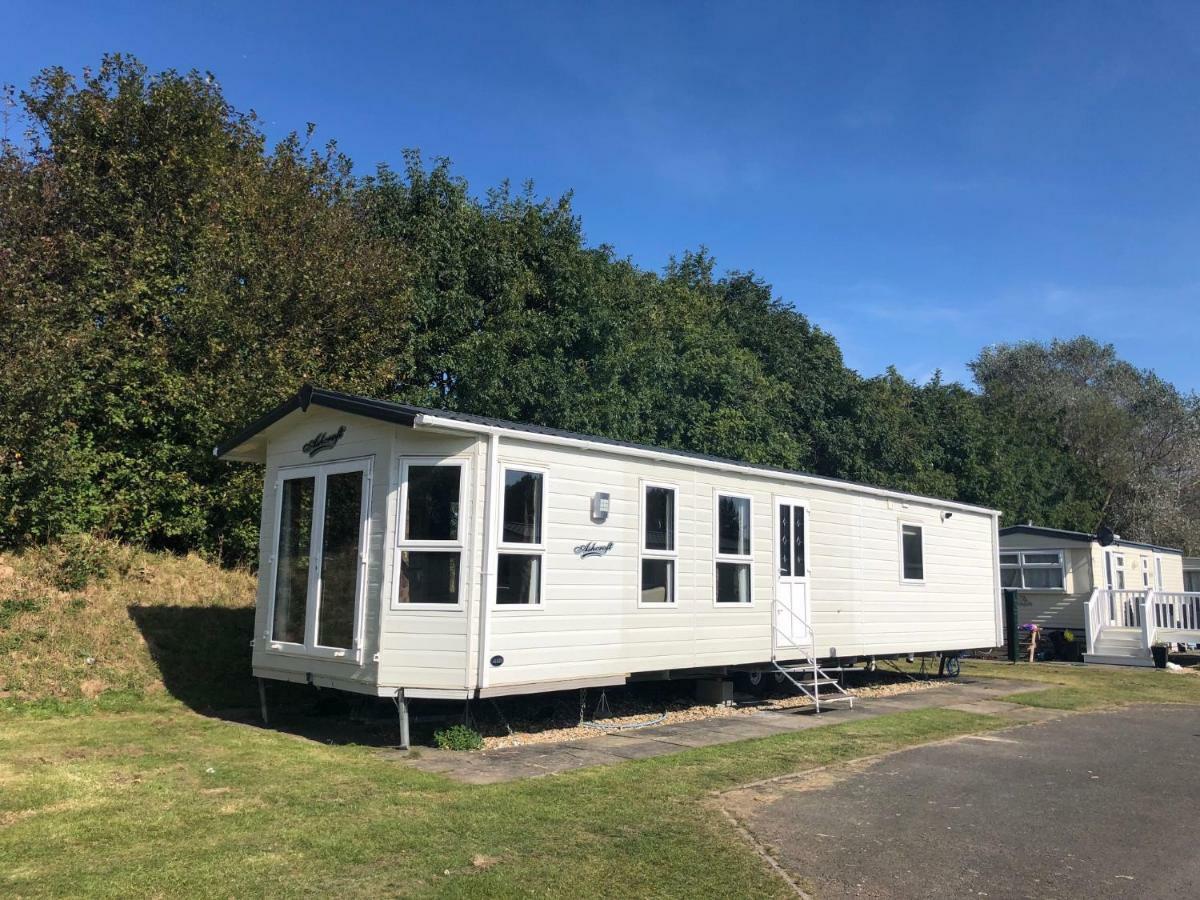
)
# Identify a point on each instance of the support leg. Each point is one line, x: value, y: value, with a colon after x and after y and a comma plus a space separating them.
x: 262, y: 701
x: 402, y: 712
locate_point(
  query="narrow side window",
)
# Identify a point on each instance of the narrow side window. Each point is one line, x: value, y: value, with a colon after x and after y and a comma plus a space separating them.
x: 659, y: 555
x: 912, y: 551
x: 734, y: 561
x: 519, y: 564
x: 431, y: 539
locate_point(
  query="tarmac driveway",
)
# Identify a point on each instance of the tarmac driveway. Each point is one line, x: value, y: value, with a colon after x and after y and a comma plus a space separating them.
x: 1092, y: 805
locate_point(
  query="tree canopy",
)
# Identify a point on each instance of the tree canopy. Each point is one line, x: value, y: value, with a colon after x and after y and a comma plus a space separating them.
x: 165, y: 276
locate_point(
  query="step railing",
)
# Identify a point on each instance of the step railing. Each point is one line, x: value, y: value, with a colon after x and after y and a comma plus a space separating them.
x: 785, y: 647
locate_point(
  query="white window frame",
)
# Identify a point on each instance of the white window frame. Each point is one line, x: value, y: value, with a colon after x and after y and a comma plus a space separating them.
x: 719, y: 557
x: 1159, y: 584
x: 459, y: 545
x: 1020, y: 565
x: 645, y: 553
x: 320, y: 473
x: 920, y: 526
x: 1120, y: 579
x: 1146, y: 579
x: 505, y: 548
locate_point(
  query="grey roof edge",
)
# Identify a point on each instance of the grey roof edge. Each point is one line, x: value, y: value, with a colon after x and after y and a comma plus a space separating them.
x: 405, y: 414
x: 1079, y: 536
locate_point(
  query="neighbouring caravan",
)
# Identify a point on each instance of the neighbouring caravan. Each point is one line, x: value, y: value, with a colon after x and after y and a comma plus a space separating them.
x: 418, y: 553
x: 1055, y: 572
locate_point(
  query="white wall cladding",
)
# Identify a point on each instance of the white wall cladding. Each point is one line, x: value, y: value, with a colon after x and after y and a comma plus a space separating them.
x: 590, y: 623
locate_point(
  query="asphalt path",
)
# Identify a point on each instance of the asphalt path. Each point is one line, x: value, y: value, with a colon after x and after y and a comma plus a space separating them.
x: 1095, y: 805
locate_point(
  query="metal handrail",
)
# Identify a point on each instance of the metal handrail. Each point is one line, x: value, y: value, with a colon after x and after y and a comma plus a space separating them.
x: 810, y: 656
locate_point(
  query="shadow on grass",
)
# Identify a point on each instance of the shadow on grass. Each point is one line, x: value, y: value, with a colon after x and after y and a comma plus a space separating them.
x: 203, y: 657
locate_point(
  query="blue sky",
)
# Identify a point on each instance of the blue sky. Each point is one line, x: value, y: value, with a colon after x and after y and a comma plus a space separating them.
x: 920, y: 179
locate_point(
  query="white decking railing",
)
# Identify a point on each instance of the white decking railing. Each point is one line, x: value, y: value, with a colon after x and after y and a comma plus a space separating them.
x: 1165, y: 615
x: 1175, y: 611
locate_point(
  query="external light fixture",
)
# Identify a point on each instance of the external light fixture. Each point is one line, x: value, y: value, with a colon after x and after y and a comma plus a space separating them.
x: 600, y: 505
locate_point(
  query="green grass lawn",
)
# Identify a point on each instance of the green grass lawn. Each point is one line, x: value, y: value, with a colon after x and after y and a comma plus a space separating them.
x: 153, y: 799
x: 1091, y: 687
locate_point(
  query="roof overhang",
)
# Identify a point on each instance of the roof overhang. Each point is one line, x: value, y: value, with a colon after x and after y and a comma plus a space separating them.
x: 248, y: 446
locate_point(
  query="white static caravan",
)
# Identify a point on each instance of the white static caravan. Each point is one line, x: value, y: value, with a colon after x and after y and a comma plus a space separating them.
x: 417, y: 553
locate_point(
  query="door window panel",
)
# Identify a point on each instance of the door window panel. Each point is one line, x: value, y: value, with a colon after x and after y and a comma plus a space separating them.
x: 293, y: 557
x: 340, y: 541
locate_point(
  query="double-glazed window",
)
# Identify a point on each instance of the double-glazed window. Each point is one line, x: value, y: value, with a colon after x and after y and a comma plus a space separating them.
x: 659, y: 552
x: 733, y: 559
x: 912, y: 553
x: 431, y: 534
x: 1191, y: 581
x: 522, y: 544
x: 320, y: 545
x: 1032, y: 570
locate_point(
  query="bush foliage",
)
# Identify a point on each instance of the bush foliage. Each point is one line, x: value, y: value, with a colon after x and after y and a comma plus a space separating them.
x: 165, y: 276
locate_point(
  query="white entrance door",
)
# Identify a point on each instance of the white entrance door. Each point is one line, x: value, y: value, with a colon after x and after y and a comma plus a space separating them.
x: 792, y: 628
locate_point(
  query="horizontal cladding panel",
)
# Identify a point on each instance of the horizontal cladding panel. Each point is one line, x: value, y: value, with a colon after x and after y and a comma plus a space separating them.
x: 417, y: 657
x: 406, y: 642
x: 419, y: 622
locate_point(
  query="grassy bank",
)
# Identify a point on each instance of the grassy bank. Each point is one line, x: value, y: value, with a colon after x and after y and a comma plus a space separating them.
x: 96, y: 621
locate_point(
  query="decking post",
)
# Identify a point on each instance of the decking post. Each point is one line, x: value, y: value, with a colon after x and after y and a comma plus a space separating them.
x: 402, y: 713
x: 262, y: 701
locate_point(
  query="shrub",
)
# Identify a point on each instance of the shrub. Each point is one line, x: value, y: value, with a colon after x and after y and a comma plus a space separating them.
x: 83, y: 559
x: 458, y: 737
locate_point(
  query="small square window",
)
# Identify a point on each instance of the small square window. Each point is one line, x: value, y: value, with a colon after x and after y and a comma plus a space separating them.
x: 733, y: 582
x: 519, y: 579
x: 658, y: 581
x: 428, y: 576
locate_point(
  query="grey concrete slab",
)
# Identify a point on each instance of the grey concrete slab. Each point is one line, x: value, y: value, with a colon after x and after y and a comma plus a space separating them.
x: 1096, y: 805
x: 510, y: 763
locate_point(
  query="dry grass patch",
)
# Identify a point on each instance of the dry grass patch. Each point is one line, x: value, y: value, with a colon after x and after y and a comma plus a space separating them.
x: 94, y: 618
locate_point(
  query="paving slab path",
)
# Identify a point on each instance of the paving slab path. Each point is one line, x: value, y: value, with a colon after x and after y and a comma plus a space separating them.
x: 535, y: 760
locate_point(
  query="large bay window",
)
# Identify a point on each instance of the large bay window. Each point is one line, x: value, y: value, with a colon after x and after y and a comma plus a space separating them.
x: 320, y: 552
x: 734, y: 561
x: 430, y: 537
x: 1032, y: 570
x: 519, y: 563
x: 659, y: 554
